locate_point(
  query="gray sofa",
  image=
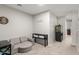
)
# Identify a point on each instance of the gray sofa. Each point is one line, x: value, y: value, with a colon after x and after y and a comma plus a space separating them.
x: 20, y: 44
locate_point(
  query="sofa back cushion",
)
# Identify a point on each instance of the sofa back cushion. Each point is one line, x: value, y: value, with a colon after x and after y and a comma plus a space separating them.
x: 15, y: 41
x: 23, y: 39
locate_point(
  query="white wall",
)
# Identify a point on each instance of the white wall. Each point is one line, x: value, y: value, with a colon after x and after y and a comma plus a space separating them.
x: 61, y: 21
x: 69, y: 24
x: 74, y: 30
x: 73, y: 15
x: 20, y: 24
x: 77, y: 21
x: 41, y: 23
x: 44, y: 23
x: 53, y: 22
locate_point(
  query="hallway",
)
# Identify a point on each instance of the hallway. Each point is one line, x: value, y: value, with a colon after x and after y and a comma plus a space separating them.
x: 68, y: 40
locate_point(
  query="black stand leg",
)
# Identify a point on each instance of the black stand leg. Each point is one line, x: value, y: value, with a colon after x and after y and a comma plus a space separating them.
x: 10, y: 49
x: 44, y: 43
x: 35, y: 40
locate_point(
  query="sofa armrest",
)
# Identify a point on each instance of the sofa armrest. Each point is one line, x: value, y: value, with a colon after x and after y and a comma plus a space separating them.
x: 12, y: 47
x: 30, y: 40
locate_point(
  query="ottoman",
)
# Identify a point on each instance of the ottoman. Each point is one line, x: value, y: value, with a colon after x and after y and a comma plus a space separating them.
x: 25, y: 47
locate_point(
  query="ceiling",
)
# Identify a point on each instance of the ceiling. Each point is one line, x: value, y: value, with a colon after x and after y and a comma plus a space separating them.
x: 57, y: 9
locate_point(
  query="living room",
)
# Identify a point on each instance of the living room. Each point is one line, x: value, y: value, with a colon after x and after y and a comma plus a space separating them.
x: 21, y: 22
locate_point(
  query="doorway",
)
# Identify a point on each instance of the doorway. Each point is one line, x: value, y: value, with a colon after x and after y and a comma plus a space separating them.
x: 68, y: 31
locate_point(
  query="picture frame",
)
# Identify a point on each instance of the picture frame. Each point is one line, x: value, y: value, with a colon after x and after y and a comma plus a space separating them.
x: 3, y: 20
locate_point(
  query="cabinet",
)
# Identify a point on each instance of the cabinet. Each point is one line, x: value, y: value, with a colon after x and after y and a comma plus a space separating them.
x: 58, y: 33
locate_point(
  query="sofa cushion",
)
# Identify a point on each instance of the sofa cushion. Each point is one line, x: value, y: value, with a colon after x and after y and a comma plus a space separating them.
x: 23, y: 39
x: 15, y: 41
x: 26, y: 44
x: 17, y: 46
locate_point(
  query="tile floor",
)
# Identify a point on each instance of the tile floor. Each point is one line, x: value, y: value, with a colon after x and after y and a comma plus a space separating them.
x: 57, y: 48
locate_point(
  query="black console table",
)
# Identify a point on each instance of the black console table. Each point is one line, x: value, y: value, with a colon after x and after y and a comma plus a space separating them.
x: 5, y: 48
x: 40, y: 38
